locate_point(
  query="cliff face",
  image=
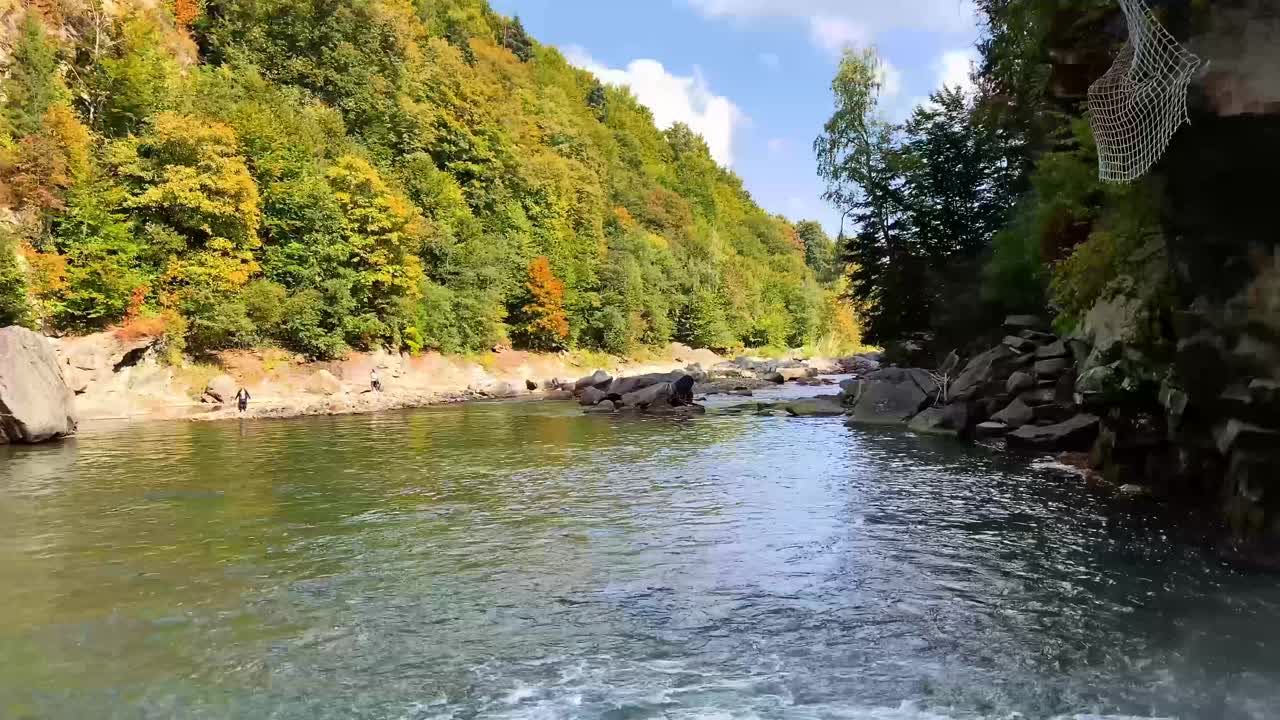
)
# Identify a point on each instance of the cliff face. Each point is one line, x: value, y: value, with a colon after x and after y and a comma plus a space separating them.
x: 1221, y: 398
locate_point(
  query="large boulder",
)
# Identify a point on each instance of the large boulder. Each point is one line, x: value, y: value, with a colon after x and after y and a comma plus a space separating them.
x: 35, y: 403
x: 992, y: 366
x: 823, y: 406
x: 592, y: 396
x: 628, y: 385
x: 791, y: 374
x: 598, y: 379
x: 1016, y: 415
x: 892, y: 396
x: 651, y: 395
x: 949, y: 420
x: 220, y: 390
x: 1077, y: 433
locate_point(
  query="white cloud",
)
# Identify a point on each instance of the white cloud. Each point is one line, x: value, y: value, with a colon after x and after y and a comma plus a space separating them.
x: 771, y: 61
x: 890, y: 80
x: 954, y: 67
x: 835, y: 33
x: 834, y: 24
x: 672, y: 99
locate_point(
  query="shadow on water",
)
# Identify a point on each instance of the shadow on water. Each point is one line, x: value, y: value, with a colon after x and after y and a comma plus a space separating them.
x: 524, y: 560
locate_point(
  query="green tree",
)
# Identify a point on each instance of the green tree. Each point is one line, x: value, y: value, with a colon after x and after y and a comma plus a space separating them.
x: 515, y: 39
x: 819, y: 250
x: 32, y: 83
x: 859, y: 159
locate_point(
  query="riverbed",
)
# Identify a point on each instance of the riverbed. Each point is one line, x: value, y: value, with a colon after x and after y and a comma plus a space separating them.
x: 522, y: 560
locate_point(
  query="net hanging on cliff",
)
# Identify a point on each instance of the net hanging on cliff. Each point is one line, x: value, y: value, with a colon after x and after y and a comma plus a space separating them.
x: 1137, y: 106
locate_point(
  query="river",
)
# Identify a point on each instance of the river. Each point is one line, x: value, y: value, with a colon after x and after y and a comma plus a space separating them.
x: 522, y: 560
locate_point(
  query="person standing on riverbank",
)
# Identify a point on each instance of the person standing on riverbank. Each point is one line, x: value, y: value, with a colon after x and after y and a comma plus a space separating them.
x: 242, y: 399
x: 374, y: 381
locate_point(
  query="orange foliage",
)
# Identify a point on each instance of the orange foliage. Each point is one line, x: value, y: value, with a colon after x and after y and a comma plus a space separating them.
x: 185, y: 12
x: 142, y: 326
x: 48, y: 162
x: 48, y: 272
x: 546, y: 323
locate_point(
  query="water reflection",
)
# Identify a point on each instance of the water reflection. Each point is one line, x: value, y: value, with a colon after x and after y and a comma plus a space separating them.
x: 524, y: 560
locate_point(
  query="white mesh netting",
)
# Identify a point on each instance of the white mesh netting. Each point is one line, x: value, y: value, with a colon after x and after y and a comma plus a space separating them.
x: 1137, y: 106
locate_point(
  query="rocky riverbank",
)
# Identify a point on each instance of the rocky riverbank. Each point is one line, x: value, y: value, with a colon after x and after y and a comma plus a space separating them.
x: 112, y: 377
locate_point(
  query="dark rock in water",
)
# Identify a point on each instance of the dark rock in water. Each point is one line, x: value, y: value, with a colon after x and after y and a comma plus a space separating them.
x: 1052, y: 368
x: 1053, y: 350
x: 1016, y: 415
x: 825, y: 406
x: 652, y: 395
x: 993, y: 365
x: 1018, y: 323
x: 1078, y: 433
x: 598, y: 379
x: 1019, y: 382
x: 850, y: 391
x: 774, y: 377
x: 992, y: 404
x: 592, y: 396
x: 948, y: 421
x: 607, y: 409
x: 628, y: 385
x: 35, y: 403
x: 892, y: 396
x: 1020, y: 344
x: 530, y: 385
x: 991, y: 429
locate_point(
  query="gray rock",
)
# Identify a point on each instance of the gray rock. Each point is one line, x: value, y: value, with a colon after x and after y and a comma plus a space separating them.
x: 649, y: 396
x: 1077, y: 433
x: 948, y: 421
x: 1037, y: 336
x: 825, y: 406
x: 991, y: 366
x: 1019, y: 382
x: 1056, y: 349
x: 1039, y: 396
x: 791, y: 374
x: 592, y: 396
x: 1016, y: 415
x: 599, y: 379
x: 627, y: 385
x: 991, y: 429
x: 1051, y: 368
x: 221, y: 389
x: 35, y: 403
x: 1238, y: 436
x: 1018, y: 323
x: 892, y: 396
x: 1019, y: 343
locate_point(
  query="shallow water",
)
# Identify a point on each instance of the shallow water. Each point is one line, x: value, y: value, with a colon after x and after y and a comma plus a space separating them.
x: 525, y: 561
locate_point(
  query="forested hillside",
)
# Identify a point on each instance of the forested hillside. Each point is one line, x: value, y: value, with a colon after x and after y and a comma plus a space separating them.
x: 331, y: 175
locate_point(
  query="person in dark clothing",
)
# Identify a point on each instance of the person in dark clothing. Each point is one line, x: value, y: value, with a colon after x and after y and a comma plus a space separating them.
x: 242, y: 399
x: 682, y: 391
x: 375, y: 383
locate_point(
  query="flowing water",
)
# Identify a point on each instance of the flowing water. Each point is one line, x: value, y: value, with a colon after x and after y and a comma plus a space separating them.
x: 525, y: 561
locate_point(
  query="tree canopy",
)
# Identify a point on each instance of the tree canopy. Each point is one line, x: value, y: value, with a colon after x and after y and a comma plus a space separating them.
x: 327, y: 176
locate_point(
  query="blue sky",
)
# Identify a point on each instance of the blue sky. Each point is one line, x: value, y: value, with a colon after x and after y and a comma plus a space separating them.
x: 753, y: 76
